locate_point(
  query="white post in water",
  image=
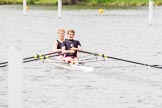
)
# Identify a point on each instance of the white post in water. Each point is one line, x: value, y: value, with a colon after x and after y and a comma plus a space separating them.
x: 151, y: 6
x: 15, y: 78
x: 59, y: 8
x: 24, y: 7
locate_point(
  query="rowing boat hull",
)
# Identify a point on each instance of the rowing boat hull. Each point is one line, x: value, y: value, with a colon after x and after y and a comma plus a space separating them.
x: 65, y: 65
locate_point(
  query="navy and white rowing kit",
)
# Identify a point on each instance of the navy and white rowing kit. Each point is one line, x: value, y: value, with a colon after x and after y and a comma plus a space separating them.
x: 68, y: 43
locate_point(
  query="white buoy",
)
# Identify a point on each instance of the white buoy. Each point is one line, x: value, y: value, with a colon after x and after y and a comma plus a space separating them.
x: 59, y: 8
x: 24, y: 7
x: 15, y: 78
x: 151, y: 6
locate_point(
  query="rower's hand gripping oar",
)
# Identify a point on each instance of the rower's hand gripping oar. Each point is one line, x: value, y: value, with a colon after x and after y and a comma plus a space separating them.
x: 33, y: 58
x: 115, y: 58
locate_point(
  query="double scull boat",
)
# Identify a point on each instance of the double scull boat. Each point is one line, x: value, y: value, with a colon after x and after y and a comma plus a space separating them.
x: 62, y: 64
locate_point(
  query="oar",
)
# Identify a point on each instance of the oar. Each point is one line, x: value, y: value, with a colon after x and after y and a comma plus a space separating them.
x: 42, y: 58
x: 39, y: 55
x: 32, y: 58
x: 106, y: 56
x: 3, y: 63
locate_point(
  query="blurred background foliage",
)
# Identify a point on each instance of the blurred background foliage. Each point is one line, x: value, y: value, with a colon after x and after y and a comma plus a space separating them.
x: 85, y: 2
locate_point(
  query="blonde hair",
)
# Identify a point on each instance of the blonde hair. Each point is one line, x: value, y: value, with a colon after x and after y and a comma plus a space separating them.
x: 71, y: 31
x: 61, y: 30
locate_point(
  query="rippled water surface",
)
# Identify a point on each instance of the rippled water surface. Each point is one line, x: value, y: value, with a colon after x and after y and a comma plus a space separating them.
x: 118, y: 33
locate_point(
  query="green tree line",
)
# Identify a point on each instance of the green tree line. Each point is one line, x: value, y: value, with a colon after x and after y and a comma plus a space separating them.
x: 86, y: 2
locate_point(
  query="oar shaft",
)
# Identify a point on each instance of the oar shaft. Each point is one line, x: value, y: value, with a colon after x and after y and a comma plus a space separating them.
x: 115, y: 58
x: 33, y: 58
x: 39, y: 55
x: 134, y: 62
x: 3, y: 63
x: 40, y: 58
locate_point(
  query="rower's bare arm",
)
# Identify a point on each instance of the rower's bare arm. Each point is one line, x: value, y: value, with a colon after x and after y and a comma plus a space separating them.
x: 79, y: 48
x: 55, y: 47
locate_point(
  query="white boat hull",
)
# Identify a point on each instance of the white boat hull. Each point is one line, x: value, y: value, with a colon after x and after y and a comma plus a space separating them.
x: 62, y: 64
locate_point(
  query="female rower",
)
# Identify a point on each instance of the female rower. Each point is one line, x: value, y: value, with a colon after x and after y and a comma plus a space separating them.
x: 58, y: 42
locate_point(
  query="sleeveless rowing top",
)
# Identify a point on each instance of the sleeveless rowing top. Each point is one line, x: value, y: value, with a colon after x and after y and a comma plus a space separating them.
x: 59, y: 44
x: 69, y: 44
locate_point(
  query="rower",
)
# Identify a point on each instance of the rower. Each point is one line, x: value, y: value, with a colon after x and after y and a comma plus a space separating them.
x: 58, y: 42
x: 71, y: 46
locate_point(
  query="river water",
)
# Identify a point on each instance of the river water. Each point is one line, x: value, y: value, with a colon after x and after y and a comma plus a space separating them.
x: 122, y: 33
